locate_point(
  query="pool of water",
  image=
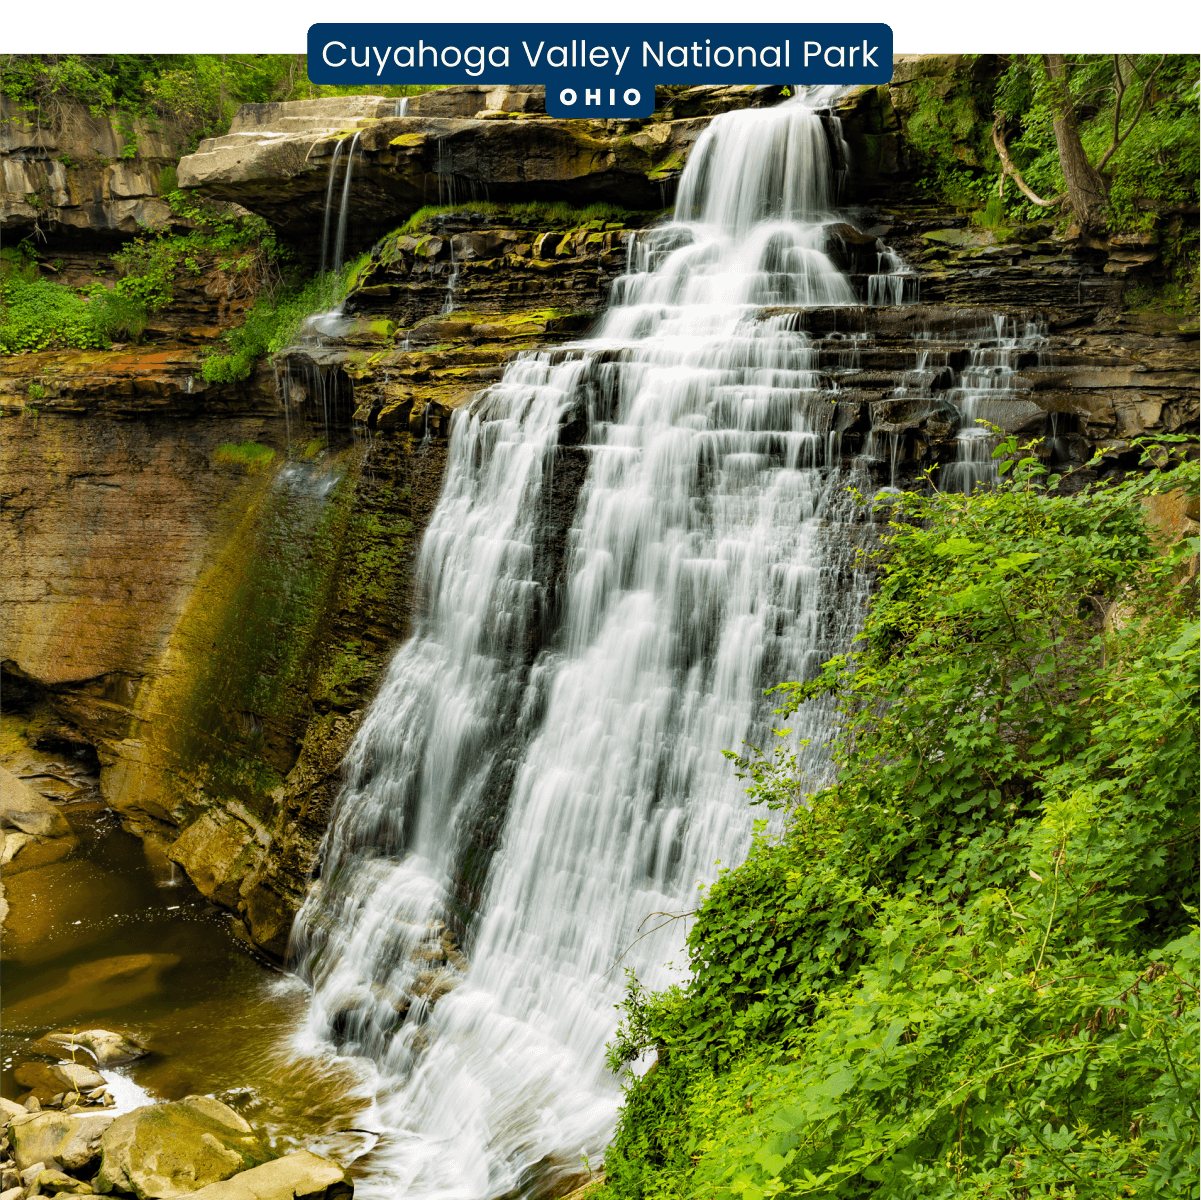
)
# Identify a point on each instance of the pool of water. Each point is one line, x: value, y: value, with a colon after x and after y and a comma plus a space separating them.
x: 115, y: 936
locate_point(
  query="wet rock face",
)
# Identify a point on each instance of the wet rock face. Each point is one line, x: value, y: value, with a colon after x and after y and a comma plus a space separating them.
x: 1092, y: 385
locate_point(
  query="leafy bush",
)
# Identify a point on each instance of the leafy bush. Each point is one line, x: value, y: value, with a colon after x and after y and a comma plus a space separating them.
x: 276, y: 320
x: 116, y: 315
x: 969, y: 967
x: 150, y: 263
x: 41, y: 315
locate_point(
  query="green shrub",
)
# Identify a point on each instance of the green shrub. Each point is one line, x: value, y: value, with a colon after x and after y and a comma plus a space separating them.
x: 274, y: 322
x: 19, y: 262
x: 969, y: 967
x: 41, y: 315
x: 117, y: 316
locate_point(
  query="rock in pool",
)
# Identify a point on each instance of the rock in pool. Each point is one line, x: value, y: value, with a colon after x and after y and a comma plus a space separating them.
x: 67, y: 1140
x: 300, y: 1176
x: 107, y: 1047
x: 163, y: 1150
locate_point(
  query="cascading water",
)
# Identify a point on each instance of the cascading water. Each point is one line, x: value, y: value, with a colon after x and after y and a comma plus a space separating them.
x: 329, y: 323
x: 982, y: 391
x: 541, y: 771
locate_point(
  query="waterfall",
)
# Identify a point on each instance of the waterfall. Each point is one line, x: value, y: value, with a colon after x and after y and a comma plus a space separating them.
x: 449, y: 305
x: 540, y: 772
x: 343, y: 208
x: 328, y: 323
x: 329, y: 204
x: 340, y: 244
x: 982, y: 392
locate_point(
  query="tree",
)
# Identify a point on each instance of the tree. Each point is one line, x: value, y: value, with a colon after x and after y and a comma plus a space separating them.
x: 1086, y: 193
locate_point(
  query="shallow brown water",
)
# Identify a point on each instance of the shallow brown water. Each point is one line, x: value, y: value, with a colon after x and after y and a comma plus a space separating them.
x: 110, y: 937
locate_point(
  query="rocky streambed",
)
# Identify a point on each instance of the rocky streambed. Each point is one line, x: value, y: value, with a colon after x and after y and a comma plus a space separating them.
x: 145, y: 1039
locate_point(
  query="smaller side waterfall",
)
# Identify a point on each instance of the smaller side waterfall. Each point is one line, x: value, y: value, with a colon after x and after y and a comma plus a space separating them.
x: 329, y: 204
x: 328, y: 323
x: 985, y: 392
x: 894, y: 281
x: 340, y: 244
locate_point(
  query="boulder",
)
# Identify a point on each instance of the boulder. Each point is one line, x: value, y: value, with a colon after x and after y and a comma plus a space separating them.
x: 67, y: 1140
x: 52, y: 1182
x: 9, y: 1109
x: 163, y: 1150
x: 300, y: 1176
x: 21, y: 851
x: 47, y: 1081
x: 16, y: 1193
x: 107, y: 1047
x: 21, y: 808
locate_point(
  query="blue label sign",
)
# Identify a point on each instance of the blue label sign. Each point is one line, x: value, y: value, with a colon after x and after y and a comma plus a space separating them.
x: 596, y: 70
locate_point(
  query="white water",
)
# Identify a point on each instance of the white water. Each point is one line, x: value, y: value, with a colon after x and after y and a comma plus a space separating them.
x: 982, y: 392
x: 330, y: 323
x: 708, y: 559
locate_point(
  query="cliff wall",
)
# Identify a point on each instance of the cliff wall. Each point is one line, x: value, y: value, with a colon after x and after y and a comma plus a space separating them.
x: 204, y: 581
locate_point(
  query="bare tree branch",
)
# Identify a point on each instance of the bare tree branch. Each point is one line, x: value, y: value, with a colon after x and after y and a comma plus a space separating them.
x: 1117, y: 109
x: 1007, y: 167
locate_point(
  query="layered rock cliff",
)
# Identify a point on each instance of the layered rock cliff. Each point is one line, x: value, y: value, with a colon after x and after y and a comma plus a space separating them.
x: 82, y: 178
x: 204, y: 580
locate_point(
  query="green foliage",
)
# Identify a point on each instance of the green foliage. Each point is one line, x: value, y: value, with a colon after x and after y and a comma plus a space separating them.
x: 992, y: 216
x: 150, y: 263
x: 251, y: 455
x: 41, y: 314
x: 276, y: 319
x: 117, y: 315
x: 199, y: 93
x: 536, y: 213
x: 1157, y: 164
x: 969, y: 967
x: 19, y: 262
x: 1155, y: 170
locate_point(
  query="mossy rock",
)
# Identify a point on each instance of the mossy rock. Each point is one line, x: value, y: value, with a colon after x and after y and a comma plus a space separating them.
x: 164, y: 1150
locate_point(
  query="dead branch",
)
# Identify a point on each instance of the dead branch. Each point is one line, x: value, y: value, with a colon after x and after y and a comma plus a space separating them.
x: 1007, y: 167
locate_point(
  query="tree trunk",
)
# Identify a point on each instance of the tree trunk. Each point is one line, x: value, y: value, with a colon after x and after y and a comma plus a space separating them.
x: 1086, y: 188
